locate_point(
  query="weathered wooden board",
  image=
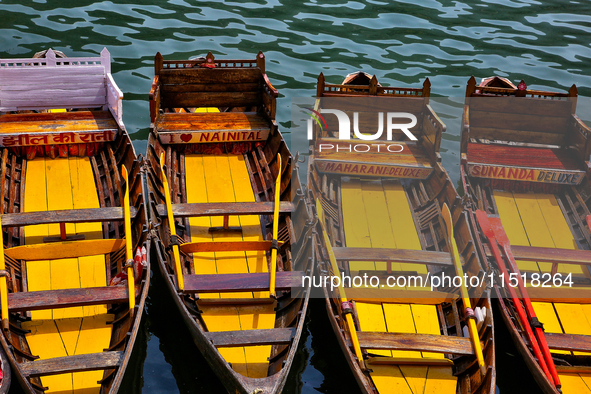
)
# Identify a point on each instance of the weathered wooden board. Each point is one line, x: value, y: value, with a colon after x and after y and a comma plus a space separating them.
x: 522, y: 156
x: 417, y: 342
x: 372, y: 169
x: 77, y: 363
x: 106, y: 214
x: 270, y: 336
x: 526, y: 174
x: 223, y: 208
x: 241, y: 282
x: 65, y: 298
x: 395, y: 255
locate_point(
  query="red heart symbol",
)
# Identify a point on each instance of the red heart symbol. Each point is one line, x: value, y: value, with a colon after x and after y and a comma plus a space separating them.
x: 186, y: 137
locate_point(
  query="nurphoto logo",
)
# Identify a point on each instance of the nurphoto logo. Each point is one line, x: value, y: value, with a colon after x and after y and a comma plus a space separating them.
x: 392, y: 123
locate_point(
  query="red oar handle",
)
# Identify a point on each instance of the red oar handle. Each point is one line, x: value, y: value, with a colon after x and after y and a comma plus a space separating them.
x: 501, y: 237
x: 485, y: 225
x: 589, y: 222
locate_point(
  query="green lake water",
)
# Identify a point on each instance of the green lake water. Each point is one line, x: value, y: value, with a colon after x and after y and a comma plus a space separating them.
x: 546, y: 43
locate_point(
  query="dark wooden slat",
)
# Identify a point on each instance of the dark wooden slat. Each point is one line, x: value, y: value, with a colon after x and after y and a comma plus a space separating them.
x: 418, y: 342
x: 50, y: 299
x: 221, y: 209
x: 82, y: 362
x: 241, y: 282
x: 394, y: 255
x: 571, y: 342
x: 548, y: 255
x: 274, y: 336
x: 65, y: 216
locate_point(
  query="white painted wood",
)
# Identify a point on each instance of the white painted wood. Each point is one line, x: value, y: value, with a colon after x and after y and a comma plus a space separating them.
x: 75, y: 82
x: 115, y: 100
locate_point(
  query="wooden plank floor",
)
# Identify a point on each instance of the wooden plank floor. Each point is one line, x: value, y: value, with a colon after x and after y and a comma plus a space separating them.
x: 65, y: 183
x: 378, y: 215
x: 536, y: 220
x: 224, y: 178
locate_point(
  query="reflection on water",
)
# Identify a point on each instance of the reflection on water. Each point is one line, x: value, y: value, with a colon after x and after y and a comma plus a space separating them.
x: 546, y: 43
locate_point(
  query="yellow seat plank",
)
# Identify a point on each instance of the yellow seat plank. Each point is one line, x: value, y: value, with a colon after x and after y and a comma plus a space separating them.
x: 44, y: 341
x: 220, y: 189
x: 559, y: 229
x: 402, y: 223
x: 95, y: 336
x: 64, y: 273
x: 513, y: 226
x: 226, y: 318
x: 380, y: 229
x: 92, y: 268
x: 440, y: 380
x: 573, y: 384
x: 251, y: 225
x: 204, y: 263
x: 426, y: 321
x: 36, y: 200
x: 399, y: 319
x: 355, y: 222
x: 225, y: 178
x: 69, y: 330
x: 389, y: 380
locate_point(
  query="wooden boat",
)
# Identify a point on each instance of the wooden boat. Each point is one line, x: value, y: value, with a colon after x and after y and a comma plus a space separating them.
x: 72, y: 217
x: 214, y: 166
x: 525, y: 164
x: 382, y: 216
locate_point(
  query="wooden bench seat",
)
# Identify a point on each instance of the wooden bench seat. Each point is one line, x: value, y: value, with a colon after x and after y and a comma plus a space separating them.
x: 199, y: 121
x: 548, y: 255
x: 65, y: 298
x: 77, y: 363
x: 520, y: 156
x: 417, y: 342
x: 393, y: 255
x: 569, y: 342
x: 88, y: 215
x: 57, y: 128
x: 270, y: 336
x: 260, y: 281
x: 203, y: 127
x: 224, y: 209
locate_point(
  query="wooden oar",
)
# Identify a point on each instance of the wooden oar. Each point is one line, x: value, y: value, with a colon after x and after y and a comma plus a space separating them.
x: 3, y: 288
x: 342, y: 295
x: 465, y: 297
x: 503, y: 240
x: 488, y: 232
x: 275, y: 228
x: 172, y: 225
x: 128, y: 241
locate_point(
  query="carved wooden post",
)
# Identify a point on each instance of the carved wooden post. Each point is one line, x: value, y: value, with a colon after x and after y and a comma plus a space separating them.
x: 373, y: 86
x: 158, y: 61
x: 427, y: 88
x: 572, y: 97
x: 320, y: 86
x: 106, y: 60
x: 261, y: 61
x: 471, y: 88
x: 50, y: 56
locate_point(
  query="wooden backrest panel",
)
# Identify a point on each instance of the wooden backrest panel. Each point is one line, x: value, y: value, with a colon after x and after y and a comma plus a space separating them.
x: 54, y: 83
x: 512, y: 114
x: 210, y: 82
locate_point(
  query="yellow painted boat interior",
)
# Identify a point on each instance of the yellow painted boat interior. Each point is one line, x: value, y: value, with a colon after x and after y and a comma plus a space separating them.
x: 53, y: 184
x: 535, y: 219
x: 366, y: 224
x: 225, y: 178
